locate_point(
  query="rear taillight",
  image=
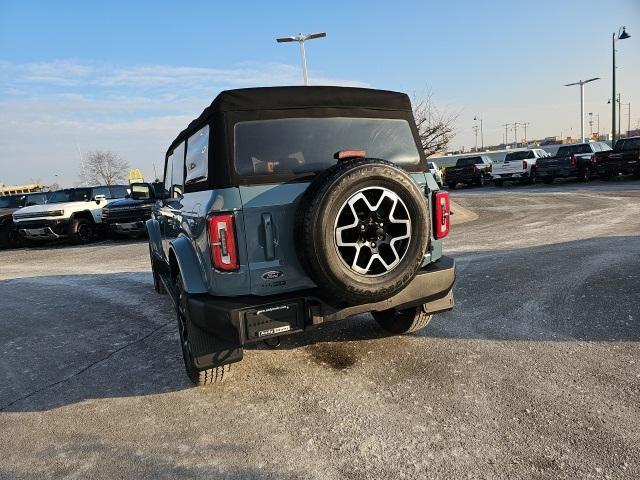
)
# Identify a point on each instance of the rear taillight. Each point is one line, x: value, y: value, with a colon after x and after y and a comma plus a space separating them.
x: 442, y: 214
x: 222, y: 241
x: 475, y: 169
x: 574, y: 160
x: 524, y: 164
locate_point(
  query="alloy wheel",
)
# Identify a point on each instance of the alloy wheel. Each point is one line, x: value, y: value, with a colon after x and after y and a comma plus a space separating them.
x: 372, y: 231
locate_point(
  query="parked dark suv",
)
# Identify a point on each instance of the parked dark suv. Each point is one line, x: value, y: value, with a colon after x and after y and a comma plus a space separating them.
x: 128, y: 216
x: 8, y: 205
x: 289, y: 207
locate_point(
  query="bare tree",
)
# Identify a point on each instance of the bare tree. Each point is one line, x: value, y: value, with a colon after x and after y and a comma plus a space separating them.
x: 104, y: 168
x: 435, y: 128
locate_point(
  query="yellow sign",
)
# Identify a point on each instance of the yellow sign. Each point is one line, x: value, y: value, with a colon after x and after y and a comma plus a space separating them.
x: 135, y: 176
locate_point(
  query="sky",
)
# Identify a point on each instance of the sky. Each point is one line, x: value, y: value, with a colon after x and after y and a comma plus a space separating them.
x: 78, y: 76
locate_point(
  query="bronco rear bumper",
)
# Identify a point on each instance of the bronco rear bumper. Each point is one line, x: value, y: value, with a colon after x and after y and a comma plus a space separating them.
x: 222, y: 325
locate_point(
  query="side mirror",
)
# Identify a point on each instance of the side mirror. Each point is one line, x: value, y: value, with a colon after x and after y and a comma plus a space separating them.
x: 99, y: 198
x: 141, y: 191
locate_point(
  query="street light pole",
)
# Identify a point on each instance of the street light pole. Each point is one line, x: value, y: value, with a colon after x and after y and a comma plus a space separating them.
x: 477, y: 118
x: 621, y: 36
x: 581, y: 83
x: 525, y: 125
x: 506, y: 129
x: 300, y: 38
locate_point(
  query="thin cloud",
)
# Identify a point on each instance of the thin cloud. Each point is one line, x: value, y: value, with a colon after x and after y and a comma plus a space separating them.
x: 49, y: 109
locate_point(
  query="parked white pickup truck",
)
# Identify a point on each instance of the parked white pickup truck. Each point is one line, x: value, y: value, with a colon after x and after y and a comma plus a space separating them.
x: 73, y: 213
x: 518, y: 166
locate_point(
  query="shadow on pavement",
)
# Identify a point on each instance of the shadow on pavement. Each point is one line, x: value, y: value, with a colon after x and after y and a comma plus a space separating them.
x: 72, y: 338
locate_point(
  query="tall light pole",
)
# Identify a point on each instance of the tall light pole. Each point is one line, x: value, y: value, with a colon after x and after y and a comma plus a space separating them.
x: 628, y: 105
x: 300, y: 38
x: 475, y: 132
x: 477, y: 118
x: 621, y: 36
x: 619, y: 108
x: 506, y: 128
x: 525, y: 125
x: 581, y: 83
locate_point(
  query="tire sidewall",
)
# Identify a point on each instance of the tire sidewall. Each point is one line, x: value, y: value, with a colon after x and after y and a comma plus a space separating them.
x: 78, y: 225
x: 335, y: 193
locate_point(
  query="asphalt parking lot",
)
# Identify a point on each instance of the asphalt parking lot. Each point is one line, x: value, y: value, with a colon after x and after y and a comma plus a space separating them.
x: 535, y: 374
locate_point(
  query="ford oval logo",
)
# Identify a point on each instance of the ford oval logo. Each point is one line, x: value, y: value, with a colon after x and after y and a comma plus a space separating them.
x: 272, y: 275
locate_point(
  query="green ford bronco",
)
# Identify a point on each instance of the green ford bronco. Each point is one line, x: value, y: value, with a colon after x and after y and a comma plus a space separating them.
x: 287, y: 207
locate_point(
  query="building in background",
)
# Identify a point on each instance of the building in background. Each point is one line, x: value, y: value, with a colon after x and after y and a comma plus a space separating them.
x: 18, y: 189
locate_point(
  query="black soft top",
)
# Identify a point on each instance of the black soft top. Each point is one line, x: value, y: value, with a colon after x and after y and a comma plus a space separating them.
x: 286, y: 98
x: 232, y: 106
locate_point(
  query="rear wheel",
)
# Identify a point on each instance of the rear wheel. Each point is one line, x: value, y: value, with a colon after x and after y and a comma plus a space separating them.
x: 81, y: 231
x: 5, y: 237
x: 532, y: 177
x: 403, y: 321
x: 199, y: 377
x: 158, y: 286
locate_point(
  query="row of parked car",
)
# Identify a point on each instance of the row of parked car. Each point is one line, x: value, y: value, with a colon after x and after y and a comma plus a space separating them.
x: 80, y: 215
x: 582, y: 161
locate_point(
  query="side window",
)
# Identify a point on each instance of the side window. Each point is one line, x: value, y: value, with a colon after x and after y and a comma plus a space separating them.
x: 197, y: 160
x: 177, y: 169
x: 119, y: 191
x: 101, y: 191
x: 168, y: 173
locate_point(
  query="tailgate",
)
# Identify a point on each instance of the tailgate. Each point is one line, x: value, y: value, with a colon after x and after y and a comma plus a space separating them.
x: 269, y: 213
x: 554, y: 162
x: 508, y: 168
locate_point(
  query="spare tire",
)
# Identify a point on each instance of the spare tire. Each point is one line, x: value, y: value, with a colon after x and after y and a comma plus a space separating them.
x: 362, y: 230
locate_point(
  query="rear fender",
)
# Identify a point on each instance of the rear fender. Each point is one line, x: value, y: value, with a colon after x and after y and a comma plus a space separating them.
x: 155, y: 238
x: 187, y: 261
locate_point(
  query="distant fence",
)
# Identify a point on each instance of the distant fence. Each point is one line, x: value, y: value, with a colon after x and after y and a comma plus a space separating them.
x: 497, y: 156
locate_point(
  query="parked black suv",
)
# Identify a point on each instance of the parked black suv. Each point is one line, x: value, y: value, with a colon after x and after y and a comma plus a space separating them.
x: 8, y: 205
x: 128, y: 216
x: 289, y: 207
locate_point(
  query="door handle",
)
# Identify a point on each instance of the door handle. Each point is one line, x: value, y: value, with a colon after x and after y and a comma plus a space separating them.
x: 269, y: 240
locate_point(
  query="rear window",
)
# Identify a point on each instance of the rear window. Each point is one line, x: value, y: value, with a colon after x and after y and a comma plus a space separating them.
x: 628, y: 144
x: 523, y: 155
x: 304, y: 145
x: 574, y: 150
x: 465, y: 162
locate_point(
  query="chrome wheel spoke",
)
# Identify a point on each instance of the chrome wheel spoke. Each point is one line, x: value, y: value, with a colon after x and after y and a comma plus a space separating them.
x: 372, y: 231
